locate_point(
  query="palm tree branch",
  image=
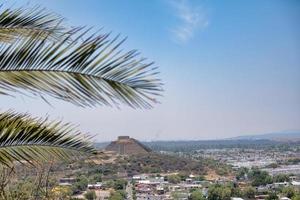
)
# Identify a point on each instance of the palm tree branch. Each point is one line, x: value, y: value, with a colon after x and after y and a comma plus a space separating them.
x: 23, y: 138
x: 107, y: 90
x: 16, y: 23
x: 85, y: 73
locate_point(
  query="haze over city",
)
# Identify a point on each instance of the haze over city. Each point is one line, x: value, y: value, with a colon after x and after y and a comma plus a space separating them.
x: 230, y: 68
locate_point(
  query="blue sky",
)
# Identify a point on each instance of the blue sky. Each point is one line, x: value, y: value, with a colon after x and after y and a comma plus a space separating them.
x: 229, y: 67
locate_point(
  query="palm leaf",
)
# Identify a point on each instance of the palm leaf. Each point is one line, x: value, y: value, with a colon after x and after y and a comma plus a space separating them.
x: 86, y: 72
x: 23, y: 138
x: 27, y: 22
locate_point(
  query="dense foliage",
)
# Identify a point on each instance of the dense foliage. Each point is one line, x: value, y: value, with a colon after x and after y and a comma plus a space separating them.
x: 259, y: 177
x: 157, y: 163
x: 197, y: 195
x: 90, y: 195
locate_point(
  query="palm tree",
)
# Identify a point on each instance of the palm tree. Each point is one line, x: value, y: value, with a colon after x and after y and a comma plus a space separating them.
x: 39, y: 56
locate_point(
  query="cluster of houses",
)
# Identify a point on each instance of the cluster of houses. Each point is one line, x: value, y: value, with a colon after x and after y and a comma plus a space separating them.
x: 157, y: 188
x: 239, y: 157
x: 71, y: 181
x: 147, y: 186
x: 277, y: 186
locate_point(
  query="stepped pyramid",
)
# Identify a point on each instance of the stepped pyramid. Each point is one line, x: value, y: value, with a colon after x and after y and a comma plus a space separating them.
x: 125, y: 145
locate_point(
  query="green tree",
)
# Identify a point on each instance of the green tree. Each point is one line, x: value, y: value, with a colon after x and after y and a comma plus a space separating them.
x: 116, y: 196
x: 219, y: 192
x: 296, y: 197
x: 80, y: 184
x: 259, y: 177
x: 20, y: 190
x: 183, y: 176
x: 240, y: 174
x: 120, y: 184
x: 272, y: 196
x: 235, y: 190
x: 289, y: 192
x: 272, y: 165
x: 90, y: 195
x: 199, y: 178
x: 174, y: 178
x: 197, y: 195
x: 96, y: 178
x: 178, y: 195
x: 249, y: 192
x: 281, y: 178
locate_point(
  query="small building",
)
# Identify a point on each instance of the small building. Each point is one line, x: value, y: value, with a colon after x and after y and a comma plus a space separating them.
x: 293, y: 178
x: 261, y: 197
x: 66, y: 181
x: 160, y: 190
x: 262, y: 189
x: 296, y: 183
x: 280, y: 185
x: 188, y: 180
x: 96, y: 186
x: 140, y: 177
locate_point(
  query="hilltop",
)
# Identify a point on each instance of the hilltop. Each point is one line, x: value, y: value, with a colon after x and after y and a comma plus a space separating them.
x: 276, y: 136
x: 125, y: 145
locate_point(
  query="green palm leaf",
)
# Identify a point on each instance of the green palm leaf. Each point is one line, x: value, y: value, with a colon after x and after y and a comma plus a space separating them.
x: 85, y: 72
x: 23, y: 138
x: 27, y: 22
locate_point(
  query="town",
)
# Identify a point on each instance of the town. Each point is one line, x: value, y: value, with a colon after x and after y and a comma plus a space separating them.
x: 128, y: 169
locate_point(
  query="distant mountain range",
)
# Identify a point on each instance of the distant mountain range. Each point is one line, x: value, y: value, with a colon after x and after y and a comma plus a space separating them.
x: 277, y: 136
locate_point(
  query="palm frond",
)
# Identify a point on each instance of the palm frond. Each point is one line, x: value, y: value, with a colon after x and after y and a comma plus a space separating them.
x: 27, y: 22
x: 23, y: 138
x: 86, y: 72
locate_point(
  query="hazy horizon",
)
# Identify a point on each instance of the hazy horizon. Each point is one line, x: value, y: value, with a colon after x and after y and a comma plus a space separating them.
x: 281, y: 133
x: 230, y: 68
